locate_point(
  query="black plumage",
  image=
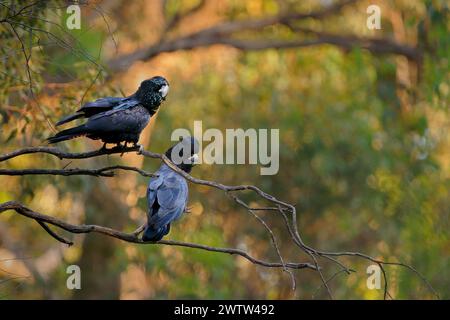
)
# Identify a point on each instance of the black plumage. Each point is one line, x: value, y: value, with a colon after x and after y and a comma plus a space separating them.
x: 167, y: 194
x: 116, y: 120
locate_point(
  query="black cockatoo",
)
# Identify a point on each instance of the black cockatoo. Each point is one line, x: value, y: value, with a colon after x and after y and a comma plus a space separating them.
x: 115, y: 120
x: 167, y: 194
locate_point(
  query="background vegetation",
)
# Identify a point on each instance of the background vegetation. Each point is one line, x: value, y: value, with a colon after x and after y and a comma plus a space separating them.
x: 364, y: 146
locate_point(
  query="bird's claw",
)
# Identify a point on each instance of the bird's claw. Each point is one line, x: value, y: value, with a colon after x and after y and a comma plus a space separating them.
x: 188, y: 209
x: 141, y: 148
x: 122, y: 147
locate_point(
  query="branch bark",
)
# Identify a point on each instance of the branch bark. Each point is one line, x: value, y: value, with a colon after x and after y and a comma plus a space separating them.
x: 102, y: 172
x: 43, y: 219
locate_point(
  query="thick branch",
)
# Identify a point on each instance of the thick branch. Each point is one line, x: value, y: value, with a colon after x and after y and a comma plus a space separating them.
x: 217, y: 34
x: 223, y: 34
x: 102, y: 172
x: 131, y: 237
x: 65, y: 155
x: 374, y: 45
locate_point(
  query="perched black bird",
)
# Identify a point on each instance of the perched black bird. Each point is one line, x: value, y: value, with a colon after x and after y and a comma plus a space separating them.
x: 114, y: 120
x: 167, y: 194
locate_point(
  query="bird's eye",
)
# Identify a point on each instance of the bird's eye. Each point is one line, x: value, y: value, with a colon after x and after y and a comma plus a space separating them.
x: 164, y: 90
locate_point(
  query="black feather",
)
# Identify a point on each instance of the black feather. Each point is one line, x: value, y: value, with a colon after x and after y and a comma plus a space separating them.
x: 68, y: 134
x: 69, y: 118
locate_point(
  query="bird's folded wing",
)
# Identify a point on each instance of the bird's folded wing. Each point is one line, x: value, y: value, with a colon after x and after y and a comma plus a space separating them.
x: 165, y: 216
x: 98, y: 106
x: 171, y: 196
x: 153, y: 188
x: 107, y: 103
x: 118, y: 120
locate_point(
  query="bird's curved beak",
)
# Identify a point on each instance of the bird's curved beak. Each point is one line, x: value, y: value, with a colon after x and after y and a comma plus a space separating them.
x: 194, y: 159
x: 164, y: 91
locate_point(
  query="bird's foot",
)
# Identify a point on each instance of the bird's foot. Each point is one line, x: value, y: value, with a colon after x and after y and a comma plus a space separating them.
x: 141, y: 148
x: 119, y: 146
x: 188, y: 209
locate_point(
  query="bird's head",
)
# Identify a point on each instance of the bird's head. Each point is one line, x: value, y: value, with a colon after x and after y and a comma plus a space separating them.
x: 184, y: 154
x: 152, y: 92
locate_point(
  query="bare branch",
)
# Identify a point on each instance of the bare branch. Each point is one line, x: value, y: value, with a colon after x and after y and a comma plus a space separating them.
x: 374, y: 45
x: 130, y: 237
x: 223, y: 34
x: 65, y: 155
x: 283, y: 208
x: 53, y: 234
x: 102, y: 172
x: 272, y: 236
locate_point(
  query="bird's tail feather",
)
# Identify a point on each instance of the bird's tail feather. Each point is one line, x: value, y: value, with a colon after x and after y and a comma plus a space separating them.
x: 69, y: 118
x: 151, y: 234
x: 68, y: 134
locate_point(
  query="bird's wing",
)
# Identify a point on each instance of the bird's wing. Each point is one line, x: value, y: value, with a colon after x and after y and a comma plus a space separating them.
x: 171, y: 196
x: 108, y: 103
x: 119, y: 120
x: 102, y: 103
x: 98, y: 106
x: 153, y: 188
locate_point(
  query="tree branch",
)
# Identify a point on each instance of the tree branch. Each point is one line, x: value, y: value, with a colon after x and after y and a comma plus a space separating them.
x: 174, y: 21
x: 66, y: 155
x: 223, y: 34
x: 102, y: 172
x: 131, y: 237
x: 283, y: 208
